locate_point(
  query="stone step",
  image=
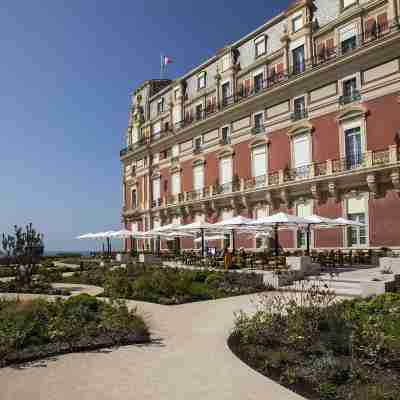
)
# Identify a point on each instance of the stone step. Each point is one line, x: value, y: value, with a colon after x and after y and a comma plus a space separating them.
x: 351, y: 289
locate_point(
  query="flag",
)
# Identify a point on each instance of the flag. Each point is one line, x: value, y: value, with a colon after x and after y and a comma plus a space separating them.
x: 167, y: 60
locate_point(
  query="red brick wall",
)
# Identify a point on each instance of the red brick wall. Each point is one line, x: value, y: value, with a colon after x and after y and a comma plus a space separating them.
x: 211, y: 169
x: 165, y: 182
x: 279, y: 151
x: 383, y: 121
x: 242, y: 160
x: 187, y: 176
x: 325, y: 138
x: 384, y: 220
x: 328, y: 237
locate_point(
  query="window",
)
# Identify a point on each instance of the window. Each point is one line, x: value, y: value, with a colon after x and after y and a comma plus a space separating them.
x: 156, y: 158
x: 298, y: 60
x: 299, y: 107
x: 348, y: 3
x: 259, y: 122
x: 258, y: 82
x: 133, y: 199
x: 226, y: 174
x: 201, y: 81
x: 297, y: 22
x: 260, y: 47
x: 303, y: 210
x: 350, y: 92
x: 157, y: 129
x: 197, y: 143
x: 259, y: 165
x: 175, y: 150
x: 353, y: 144
x: 225, y: 135
x: 176, y: 183
x: 348, y: 38
x: 199, y: 112
x: 160, y: 106
x: 198, y: 178
x: 176, y: 94
x: 226, y: 92
x: 156, y: 189
x: 226, y: 62
x: 301, y: 155
x: 357, y: 236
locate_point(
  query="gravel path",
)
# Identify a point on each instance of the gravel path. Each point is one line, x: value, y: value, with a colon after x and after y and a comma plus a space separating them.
x: 189, y: 360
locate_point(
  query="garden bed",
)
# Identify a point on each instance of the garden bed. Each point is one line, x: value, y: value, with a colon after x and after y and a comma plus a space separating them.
x: 36, y: 287
x: 169, y: 285
x: 323, y: 349
x: 31, y: 330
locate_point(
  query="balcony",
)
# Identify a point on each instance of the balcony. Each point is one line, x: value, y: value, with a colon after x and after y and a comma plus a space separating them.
x: 225, y: 140
x: 175, y: 199
x: 198, y: 194
x: 298, y: 173
x: 156, y: 203
x: 255, y: 182
x: 257, y: 129
x: 299, y: 115
x: 228, y: 187
x: 325, y: 56
x: 348, y: 163
x: 197, y: 150
x: 350, y: 98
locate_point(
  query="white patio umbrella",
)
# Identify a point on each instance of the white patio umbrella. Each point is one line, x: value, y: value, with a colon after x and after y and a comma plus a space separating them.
x: 122, y: 234
x: 210, y: 238
x: 232, y: 224
x: 85, y: 236
x: 197, y: 226
x: 348, y: 222
x: 318, y: 220
x: 282, y: 219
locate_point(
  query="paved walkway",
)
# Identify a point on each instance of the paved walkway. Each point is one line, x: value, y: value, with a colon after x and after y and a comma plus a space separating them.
x: 189, y: 360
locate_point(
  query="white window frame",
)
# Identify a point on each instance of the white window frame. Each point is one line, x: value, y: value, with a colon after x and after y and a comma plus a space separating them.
x: 253, y: 151
x: 365, y: 197
x: 228, y: 127
x: 227, y: 81
x: 262, y: 40
x: 297, y: 17
x: 197, y: 138
x: 202, y: 80
x: 348, y: 3
x: 159, y: 188
x: 198, y: 167
x: 226, y: 62
x: 309, y: 203
x: 175, y: 150
x: 221, y: 163
x: 292, y: 144
x: 160, y: 106
x: 175, y: 191
x: 262, y: 117
x: 357, y: 122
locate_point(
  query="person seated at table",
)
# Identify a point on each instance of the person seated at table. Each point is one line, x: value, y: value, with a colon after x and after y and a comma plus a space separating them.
x: 227, y: 258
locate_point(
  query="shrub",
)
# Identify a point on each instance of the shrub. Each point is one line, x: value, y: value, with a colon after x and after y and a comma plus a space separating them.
x: 327, y: 391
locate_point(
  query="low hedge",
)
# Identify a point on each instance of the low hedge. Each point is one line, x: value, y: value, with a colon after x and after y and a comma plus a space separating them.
x: 39, y: 328
x: 36, y: 287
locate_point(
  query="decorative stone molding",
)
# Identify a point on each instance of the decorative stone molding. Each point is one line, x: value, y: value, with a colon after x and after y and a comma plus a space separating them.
x: 351, y: 112
x: 263, y: 141
x: 270, y: 199
x: 285, y: 197
x: 198, y: 161
x: 395, y: 177
x: 333, y: 191
x: 303, y: 127
x: 372, y: 185
x: 226, y: 152
x: 315, y: 192
x: 175, y: 169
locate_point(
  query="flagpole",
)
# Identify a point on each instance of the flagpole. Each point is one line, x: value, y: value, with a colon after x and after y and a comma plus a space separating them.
x: 162, y: 67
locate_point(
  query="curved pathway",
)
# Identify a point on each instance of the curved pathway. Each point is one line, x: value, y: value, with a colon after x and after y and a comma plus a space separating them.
x: 189, y: 360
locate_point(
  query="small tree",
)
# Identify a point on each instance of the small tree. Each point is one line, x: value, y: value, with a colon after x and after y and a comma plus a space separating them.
x: 25, y: 248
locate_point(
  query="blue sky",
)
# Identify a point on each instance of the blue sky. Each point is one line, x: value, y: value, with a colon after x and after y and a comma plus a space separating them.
x: 66, y: 73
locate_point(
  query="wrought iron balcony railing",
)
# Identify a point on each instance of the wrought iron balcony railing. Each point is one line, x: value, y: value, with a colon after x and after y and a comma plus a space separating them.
x: 350, y: 98
x: 298, y: 115
x: 225, y: 140
x: 258, y: 129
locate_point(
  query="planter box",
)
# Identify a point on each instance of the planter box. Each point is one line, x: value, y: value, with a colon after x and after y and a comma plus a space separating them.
x: 390, y: 262
x: 302, y: 265
x: 149, y: 259
x: 375, y: 288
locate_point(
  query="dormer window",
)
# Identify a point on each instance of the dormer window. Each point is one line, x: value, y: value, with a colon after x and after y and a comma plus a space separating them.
x: 260, y: 46
x: 201, y: 81
x: 348, y: 3
x: 160, y: 106
x: 297, y: 22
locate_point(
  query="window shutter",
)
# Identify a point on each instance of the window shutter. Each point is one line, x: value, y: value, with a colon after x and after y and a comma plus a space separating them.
x: 209, y: 105
x: 247, y: 84
x: 382, y: 22
x: 279, y: 68
x: 259, y: 161
x: 301, y: 149
x: 369, y: 26
x: 330, y: 44
x: 198, y: 177
x: 321, y: 51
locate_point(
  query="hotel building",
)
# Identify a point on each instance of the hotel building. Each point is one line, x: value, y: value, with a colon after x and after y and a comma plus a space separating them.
x: 302, y: 115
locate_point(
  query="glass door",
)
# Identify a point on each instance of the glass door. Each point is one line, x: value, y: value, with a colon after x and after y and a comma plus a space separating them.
x: 298, y: 60
x: 354, y: 156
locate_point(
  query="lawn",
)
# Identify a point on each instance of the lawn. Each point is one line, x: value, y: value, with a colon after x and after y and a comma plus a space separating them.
x: 324, y: 349
x: 35, y: 329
